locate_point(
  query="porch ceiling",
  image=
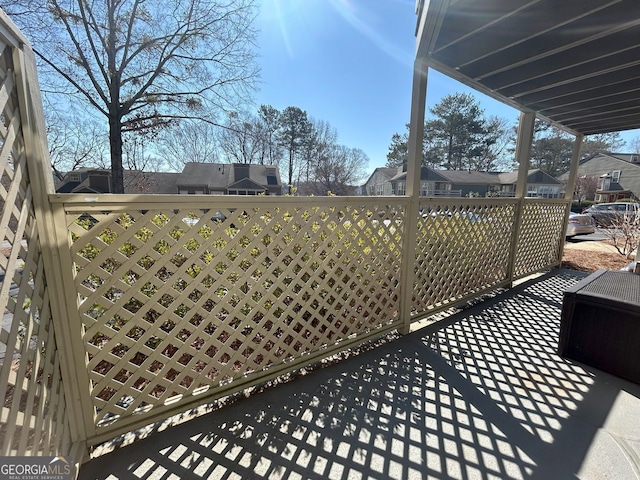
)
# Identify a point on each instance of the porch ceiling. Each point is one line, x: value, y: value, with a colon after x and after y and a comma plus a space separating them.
x: 576, y: 64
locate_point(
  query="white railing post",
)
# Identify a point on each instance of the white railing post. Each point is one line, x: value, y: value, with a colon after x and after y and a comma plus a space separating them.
x: 414, y: 167
x: 571, y: 184
x: 524, y: 143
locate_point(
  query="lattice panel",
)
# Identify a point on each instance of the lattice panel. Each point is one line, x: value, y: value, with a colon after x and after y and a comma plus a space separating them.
x: 175, y: 302
x: 461, y: 249
x: 540, y: 236
x: 33, y: 419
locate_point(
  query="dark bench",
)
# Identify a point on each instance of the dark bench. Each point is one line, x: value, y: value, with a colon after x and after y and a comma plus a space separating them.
x: 600, y: 323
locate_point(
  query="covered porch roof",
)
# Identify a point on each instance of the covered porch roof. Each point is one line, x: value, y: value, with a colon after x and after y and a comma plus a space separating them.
x: 575, y: 64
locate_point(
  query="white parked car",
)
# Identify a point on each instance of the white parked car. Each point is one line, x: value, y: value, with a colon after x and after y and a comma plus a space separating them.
x: 580, y: 224
x: 606, y: 214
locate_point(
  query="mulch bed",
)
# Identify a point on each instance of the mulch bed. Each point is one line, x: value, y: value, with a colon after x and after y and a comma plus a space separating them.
x: 590, y: 261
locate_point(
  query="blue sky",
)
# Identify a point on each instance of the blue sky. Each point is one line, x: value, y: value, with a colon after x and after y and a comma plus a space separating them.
x: 349, y: 62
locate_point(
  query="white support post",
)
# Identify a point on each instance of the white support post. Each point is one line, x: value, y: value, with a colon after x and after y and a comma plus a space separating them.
x: 524, y: 143
x: 523, y: 156
x: 414, y: 164
x: 571, y: 186
x: 573, y: 169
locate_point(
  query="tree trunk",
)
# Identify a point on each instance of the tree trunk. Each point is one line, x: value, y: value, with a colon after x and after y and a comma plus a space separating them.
x: 291, y: 170
x: 115, y: 115
x: 115, y: 141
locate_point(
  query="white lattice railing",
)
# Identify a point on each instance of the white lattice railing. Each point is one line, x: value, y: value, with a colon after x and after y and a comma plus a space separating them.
x: 541, y: 235
x: 463, y: 249
x: 34, y: 413
x: 181, y: 299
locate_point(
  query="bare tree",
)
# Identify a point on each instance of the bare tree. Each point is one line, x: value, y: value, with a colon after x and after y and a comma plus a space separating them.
x: 339, y: 170
x: 188, y: 141
x: 137, y: 155
x: 552, y: 149
x: 18, y: 9
x: 585, y: 189
x: 623, y: 232
x: 496, y: 155
x: 141, y: 64
x: 240, y: 139
x: 269, y: 121
x: 316, y: 147
x: 601, y: 143
x: 74, y: 142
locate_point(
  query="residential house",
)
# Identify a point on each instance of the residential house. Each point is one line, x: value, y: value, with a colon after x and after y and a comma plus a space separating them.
x: 195, y: 178
x: 85, y: 180
x: 472, y: 184
x: 393, y: 181
x: 539, y: 184
x: 462, y: 183
x: 618, y: 175
x: 229, y: 179
x: 98, y: 180
x: 379, y: 183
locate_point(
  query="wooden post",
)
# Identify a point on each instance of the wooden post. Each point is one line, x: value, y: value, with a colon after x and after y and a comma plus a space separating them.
x: 414, y: 164
x: 573, y: 169
x: 571, y: 186
x: 523, y: 156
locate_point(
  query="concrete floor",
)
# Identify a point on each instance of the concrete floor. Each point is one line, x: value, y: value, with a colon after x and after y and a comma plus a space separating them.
x: 479, y: 395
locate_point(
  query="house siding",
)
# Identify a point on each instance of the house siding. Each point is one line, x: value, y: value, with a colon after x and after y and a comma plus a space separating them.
x: 456, y: 183
x: 603, y: 164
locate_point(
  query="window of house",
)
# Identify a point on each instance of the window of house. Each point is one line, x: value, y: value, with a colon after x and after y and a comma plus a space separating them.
x: 74, y: 177
x: 402, y: 188
x: 615, y: 176
x: 271, y: 176
x: 604, y: 183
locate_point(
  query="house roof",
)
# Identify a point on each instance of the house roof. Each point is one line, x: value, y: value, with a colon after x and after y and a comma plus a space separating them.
x: 620, y: 158
x: 82, y: 185
x: 625, y: 157
x: 246, y: 184
x: 219, y: 176
x: 464, y: 177
x: 259, y: 174
x: 461, y: 177
x: 426, y: 173
x: 533, y: 176
x: 575, y: 63
x: 212, y: 175
x: 387, y: 172
x: 150, y: 182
